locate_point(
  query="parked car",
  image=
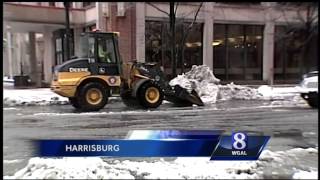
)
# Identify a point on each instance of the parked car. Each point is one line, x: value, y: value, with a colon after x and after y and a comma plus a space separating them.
x: 308, y: 88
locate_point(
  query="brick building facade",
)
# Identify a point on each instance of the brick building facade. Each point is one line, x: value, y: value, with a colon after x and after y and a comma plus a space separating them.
x: 238, y: 41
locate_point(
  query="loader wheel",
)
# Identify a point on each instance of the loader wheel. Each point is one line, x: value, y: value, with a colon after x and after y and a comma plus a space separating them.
x: 74, y: 102
x: 150, y: 95
x: 92, y: 97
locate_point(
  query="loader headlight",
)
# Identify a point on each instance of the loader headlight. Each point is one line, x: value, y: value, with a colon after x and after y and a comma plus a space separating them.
x: 157, y: 78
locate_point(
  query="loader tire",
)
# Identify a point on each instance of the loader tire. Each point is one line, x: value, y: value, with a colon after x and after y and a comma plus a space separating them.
x: 150, y: 95
x: 313, y: 103
x: 74, y: 102
x: 125, y: 94
x: 128, y: 100
x: 92, y: 96
x: 312, y: 99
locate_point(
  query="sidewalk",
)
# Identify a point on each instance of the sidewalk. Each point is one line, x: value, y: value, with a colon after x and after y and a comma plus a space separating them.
x: 39, y: 96
x: 44, y: 96
x: 33, y: 96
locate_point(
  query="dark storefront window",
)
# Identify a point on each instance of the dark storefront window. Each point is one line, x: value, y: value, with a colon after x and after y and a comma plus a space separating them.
x: 235, y: 46
x: 193, y: 46
x: 290, y: 60
x: 89, y: 28
x: 60, y: 43
x: 88, y: 4
x: 153, y: 42
x: 158, y: 45
x: 254, y: 52
x: 52, y: 4
x: 219, y: 51
x: 237, y: 51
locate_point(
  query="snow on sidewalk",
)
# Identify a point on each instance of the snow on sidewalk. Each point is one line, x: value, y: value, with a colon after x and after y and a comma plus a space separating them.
x: 269, y: 92
x: 200, y: 78
x: 40, y: 96
x: 280, y: 164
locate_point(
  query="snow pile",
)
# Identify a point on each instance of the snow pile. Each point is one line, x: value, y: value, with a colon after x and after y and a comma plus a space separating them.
x: 281, y: 164
x: 41, y: 96
x: 69, y: 168
x: 202, y: 79
x: 197, y: 76
x: 282, y: 96
x: 232, y: 91
x: 300, y: 174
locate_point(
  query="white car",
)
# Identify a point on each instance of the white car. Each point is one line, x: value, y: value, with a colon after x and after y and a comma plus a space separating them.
x: 308, y: 88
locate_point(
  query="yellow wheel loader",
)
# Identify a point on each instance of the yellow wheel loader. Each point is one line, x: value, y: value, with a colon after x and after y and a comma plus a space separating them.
x: 88, y: 80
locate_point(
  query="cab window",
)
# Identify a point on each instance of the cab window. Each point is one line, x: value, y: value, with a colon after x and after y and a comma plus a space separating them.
x: 106, y: 52
x: 91, y: 47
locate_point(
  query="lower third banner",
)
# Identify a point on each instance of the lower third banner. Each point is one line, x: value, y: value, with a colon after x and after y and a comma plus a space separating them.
x: 161, y: 143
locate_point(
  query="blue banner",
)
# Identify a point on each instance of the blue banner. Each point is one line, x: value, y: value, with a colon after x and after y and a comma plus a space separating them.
x: 127, y: 148
x: 161, y: 143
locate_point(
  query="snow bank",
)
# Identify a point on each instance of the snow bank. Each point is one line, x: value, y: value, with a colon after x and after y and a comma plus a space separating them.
x: 202, y: 79
x: 7, y: 82
x: 278, y: 93
x: 279, y: 164
x: 7, y: 79
x: 300, y: 174
x: 41, y: 96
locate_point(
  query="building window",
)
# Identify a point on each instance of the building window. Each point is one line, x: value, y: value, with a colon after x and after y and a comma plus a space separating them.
x: 59, y: 52
x: 88, y: 4
x: 89, y: 28
x: 60, y: 42
x: 52, y: 4
x: 294, y: 53
x: 158, y: 45
x: 237, y: 52
x: 242, y: 3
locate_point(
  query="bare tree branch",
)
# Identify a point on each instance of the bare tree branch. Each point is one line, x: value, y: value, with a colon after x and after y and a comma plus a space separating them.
x: 175, y: 11
x: 187, y: 33
x: 195, y: 17
x: 158, y: 8
x: 300, y: 16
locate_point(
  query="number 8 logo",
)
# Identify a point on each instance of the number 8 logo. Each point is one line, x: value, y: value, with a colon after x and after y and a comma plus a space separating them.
x: 239, y: 141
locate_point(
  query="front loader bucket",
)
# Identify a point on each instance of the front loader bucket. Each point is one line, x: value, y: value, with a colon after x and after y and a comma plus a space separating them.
x: 181, y: 97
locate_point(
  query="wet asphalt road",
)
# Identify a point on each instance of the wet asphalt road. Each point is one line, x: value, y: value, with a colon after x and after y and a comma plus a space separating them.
x: 289, y: 126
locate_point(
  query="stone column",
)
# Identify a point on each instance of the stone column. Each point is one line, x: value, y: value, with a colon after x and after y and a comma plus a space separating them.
x: 19, y: 54
x: 9, y: 48
x: 35, y: 76
x: 76, y: 35
x: 101, y: 20
x: 208, y: 35
x: 140, y: 31
x: 48, y: 56
x: 268, y: 45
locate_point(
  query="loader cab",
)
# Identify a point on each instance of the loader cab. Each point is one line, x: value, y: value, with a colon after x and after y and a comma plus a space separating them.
x: 101, y: 50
